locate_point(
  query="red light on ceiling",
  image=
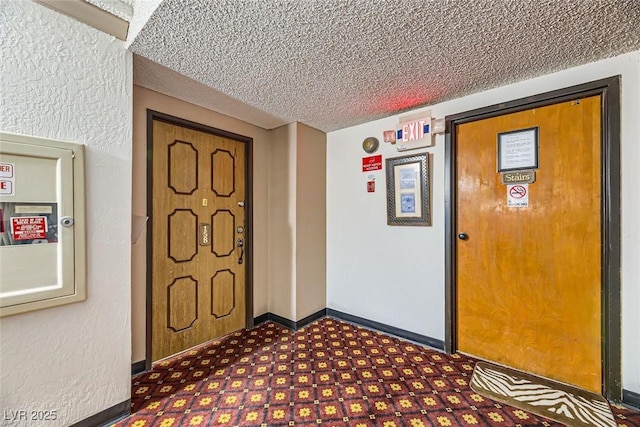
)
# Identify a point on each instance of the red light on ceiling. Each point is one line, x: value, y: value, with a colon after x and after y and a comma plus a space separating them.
x: 400, y: 103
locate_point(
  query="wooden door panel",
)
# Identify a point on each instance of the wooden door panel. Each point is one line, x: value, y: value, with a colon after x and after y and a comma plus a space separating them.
x: 198, y: 285
x: 529, y: 279
x: 222, y: 176
x: 182, y: 238
x: 223, y: 300
x: 223, y: 227
x: 182, y: 303
x: 182, y: 167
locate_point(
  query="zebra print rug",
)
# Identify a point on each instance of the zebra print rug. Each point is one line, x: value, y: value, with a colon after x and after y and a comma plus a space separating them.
x: 557, y: 401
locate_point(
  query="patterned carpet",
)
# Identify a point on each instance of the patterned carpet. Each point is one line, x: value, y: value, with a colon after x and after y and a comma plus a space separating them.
x: 329, y: 373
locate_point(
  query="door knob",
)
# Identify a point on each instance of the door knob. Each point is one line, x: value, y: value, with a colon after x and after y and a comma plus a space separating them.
x: 463, y: 236
x: 240, y: 244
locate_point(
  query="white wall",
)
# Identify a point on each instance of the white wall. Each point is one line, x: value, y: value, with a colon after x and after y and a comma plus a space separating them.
x: 390, y: 274
x: 395, y: 275
x: 62, y: 79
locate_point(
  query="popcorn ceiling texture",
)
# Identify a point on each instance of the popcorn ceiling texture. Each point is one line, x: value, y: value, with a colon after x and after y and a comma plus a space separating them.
x: 142, y: 11
x: 121, y: 8
x: 62, y: 79
x: 333, y: 64
x: 149, y: 74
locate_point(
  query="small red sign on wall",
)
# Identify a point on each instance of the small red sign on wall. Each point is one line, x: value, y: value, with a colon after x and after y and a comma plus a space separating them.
x: 371, y: 186
x: 373, y: 163
x: 29, y: 227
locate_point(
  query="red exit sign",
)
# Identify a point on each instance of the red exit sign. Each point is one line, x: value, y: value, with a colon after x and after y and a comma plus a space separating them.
x: 414, y: 130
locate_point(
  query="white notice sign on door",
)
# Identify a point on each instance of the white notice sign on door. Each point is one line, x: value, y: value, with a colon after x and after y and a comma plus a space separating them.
x: 518, y: 196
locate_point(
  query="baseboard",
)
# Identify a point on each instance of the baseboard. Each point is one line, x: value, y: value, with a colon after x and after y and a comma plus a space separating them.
x: 138, y: 367
x: 631, y: 398
x: 311, y: 318
x: 261, y: 319
x: 283, y: 321
x: 107, y: 416
x: 392, y: 330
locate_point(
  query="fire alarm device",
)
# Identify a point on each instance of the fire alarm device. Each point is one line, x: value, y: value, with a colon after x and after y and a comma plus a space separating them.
x: 389, y: 136
x: 371, y: 186
x: 370, y: 144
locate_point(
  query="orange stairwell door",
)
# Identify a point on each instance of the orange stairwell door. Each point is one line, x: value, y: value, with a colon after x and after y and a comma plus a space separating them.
x: 528, y: 279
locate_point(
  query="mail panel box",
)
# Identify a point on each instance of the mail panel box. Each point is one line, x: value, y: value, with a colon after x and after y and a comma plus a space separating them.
x: 42, y: 224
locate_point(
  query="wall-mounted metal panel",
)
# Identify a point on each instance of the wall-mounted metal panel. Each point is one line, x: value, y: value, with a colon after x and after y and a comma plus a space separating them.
x: 42, y: 224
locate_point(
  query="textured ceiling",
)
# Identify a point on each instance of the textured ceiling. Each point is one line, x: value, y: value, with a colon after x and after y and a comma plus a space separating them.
x: 121, y: 8
x: 337, y: 63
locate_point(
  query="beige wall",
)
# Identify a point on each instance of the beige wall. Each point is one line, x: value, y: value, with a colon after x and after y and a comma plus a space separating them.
x: 282, y: 221
x: 311, y: 214
x: 144, y: 99
x: 297, y: 221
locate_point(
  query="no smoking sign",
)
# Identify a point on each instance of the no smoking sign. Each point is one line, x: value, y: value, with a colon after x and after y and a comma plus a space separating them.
x: 518, y: 196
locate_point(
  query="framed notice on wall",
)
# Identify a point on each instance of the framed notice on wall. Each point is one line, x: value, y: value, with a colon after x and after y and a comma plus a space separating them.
x: 518, y: 150
x: 408, y: 190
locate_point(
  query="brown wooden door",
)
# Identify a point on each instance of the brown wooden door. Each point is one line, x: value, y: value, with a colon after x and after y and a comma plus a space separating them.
x: 529, y: 278
x: 198, y: 282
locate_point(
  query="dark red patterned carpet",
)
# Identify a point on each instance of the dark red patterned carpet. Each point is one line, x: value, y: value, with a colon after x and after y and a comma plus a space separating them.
x: 329, y: 373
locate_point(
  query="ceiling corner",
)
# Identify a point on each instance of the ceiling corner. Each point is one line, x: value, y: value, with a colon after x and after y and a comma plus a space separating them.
x: 94, y: 15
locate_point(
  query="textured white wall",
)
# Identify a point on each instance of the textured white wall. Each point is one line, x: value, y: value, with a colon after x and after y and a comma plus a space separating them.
x: 395, y: 275
x: 63, y: 79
